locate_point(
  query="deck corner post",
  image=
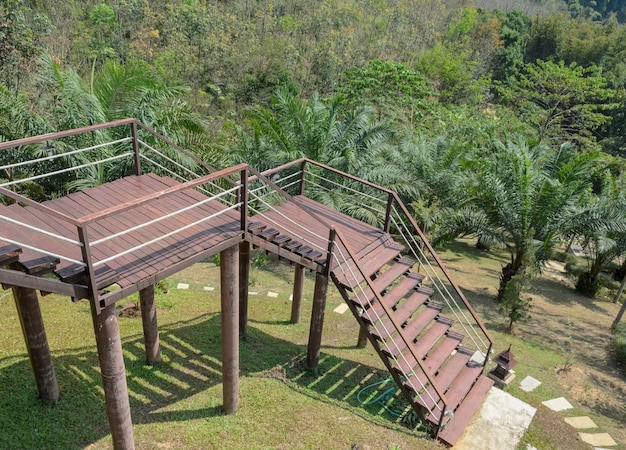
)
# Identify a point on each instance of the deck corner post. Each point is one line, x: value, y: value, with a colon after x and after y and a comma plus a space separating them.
x: 298, y: 288
x: 113, y: 372
x: 137, y: 158
x: 229, y: 279
x: 36, y: 341
x: 317, y: 322
x: 244, y: 280
x: 150, y: 326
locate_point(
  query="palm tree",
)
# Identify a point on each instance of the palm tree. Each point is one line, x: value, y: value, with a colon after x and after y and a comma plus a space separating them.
x: 525, y: 197
x: 602, y: 226
x: 326, y: 131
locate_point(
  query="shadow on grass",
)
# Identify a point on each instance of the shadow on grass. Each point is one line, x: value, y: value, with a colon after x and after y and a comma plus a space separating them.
x: 191, y: 364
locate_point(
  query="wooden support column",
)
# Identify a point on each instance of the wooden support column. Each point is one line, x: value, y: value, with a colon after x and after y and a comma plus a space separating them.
x: 298, y: 288
x: 229, y: 279
x: 28, y: 310
x: 150, y: 327
x: 244, y: 281
x: 113, y: 372
x: 363, y: 338
x: 317, y: 322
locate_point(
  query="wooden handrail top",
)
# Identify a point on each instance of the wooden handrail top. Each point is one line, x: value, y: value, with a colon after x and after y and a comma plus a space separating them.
x: 85, y: 220
x: 62, y: 134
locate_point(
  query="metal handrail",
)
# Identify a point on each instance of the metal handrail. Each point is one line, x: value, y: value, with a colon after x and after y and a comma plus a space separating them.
x: 393, y: 198
x: 429, y: 377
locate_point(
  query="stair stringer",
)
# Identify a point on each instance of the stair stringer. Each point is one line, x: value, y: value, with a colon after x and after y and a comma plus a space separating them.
x: 410, y: 396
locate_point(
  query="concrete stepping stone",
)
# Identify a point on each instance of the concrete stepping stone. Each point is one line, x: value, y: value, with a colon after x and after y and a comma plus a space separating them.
x: 272, y: 294
x: 341, y: 308
x: 252, y: 293
x: 209, y: 288
x: 182, y: 286
x: 529, y: 384
x: 598, y: 439
x: 557, y: 404
x: 291, y: 298
x: 581, y: 423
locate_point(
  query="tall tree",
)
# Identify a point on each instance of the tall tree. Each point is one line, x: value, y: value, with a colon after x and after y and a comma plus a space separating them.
x: 523, y: 196
x: 561, y: 102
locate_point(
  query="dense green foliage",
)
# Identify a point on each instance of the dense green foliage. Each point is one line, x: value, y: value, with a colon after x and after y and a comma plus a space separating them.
x: 487, y: 119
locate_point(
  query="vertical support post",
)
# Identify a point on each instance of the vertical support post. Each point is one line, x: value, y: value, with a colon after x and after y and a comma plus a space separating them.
x: 133, y: 131
x: 113, y: 372
x: 244, y: 281
x: 28, y: 310
x: 150, y: 326
x: 298, y: 288
x: 302, y: 176
x: 229, y: 275
x: 387, y: 224
x: 317, y: 322
x: 363, y: 338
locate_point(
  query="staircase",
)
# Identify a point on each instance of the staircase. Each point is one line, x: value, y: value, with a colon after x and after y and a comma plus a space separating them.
x: 434, y: 370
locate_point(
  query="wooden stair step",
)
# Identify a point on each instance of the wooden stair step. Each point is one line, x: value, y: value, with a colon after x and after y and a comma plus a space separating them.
x: 346, y: 272
x: 269, y: 234
x: 314, y: 255
x: 70, y: 274
x: 419, y: 323
x: 40, y: 266
x: 447, y: 374
x: 256, y: 227
x: 9, y: 254
x: 464, y: 413
x: 404, y: 311
x: 281, y: 240
x: 292, y: 245
x: 442, y: 351
x: 426, y: 342
x: 456, y: 391
x: 390, y: 275
x: 303, y: 250
x: 390, y: 299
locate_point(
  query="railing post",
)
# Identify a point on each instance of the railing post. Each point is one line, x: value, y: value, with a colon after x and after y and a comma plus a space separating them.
x: 243, y: 199
x: 387, y: 224
x: 133, y: 130
x: 329, y: 252
x: 302, y: 174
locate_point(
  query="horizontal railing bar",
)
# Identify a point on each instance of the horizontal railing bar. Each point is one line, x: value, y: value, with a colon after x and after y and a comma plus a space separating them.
x: 158, y: 219
x: 166, y: 235
x: 69, y: 169
x: 29, y: 202
x: 160, y: 194
x: 41, y: 231
x: 45, y: 252
x: 64, y: 154
x: 66, y: 133
x: 347, y: 188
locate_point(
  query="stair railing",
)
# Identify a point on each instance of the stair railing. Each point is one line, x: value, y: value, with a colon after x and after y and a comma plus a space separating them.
x: 340, y: 258
x: 397, y: 343
x: 389, y: 210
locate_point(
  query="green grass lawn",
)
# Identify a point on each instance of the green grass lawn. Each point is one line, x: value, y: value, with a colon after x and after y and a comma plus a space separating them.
x: 177, y: 404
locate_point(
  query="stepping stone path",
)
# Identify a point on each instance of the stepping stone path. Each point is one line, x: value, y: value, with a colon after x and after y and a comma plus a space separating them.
x: 182, y: 286
x: 580, y: 423
x: 209, y: 288
x: 272, y: 294
x: 529, y: 384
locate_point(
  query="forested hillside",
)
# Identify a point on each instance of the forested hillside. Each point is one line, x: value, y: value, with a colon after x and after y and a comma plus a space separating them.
x: 461, y: 106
